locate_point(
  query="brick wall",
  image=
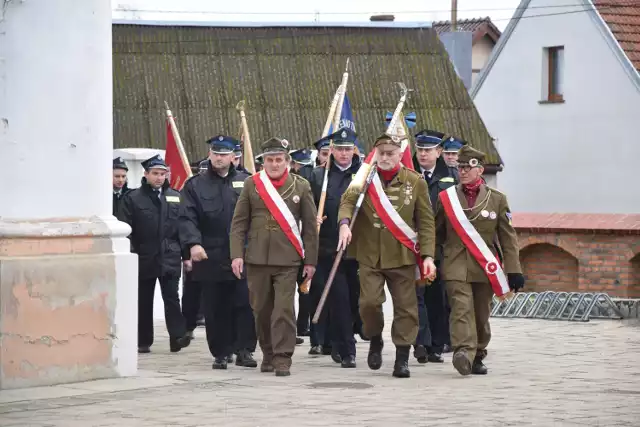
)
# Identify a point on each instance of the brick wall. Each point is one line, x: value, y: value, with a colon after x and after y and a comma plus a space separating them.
x: 580, y: 253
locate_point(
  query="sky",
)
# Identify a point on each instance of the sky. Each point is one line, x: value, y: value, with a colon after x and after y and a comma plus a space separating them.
x: 327, y: 11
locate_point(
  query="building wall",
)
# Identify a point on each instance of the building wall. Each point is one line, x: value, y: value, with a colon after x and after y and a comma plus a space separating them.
x: 566, y: 157
x: 480, y: 55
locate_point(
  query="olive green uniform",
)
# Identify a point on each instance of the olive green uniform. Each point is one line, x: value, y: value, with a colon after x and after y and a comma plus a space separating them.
x: 272, y: 263
x: 468, y: 287
x: 383, y: 258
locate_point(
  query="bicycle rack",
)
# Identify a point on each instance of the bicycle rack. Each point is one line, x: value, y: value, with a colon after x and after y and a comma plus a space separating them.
x: 570, y: 306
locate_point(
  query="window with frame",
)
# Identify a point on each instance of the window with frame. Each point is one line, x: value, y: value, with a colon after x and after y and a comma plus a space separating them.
x: 554, y: 57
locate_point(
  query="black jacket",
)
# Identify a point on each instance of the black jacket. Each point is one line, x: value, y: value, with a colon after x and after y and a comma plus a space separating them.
x: 442, y: 178
x: 338, y: 183
x: 208, y: 204
x: 154, y: 225
x: 117, y: 198
x: 305, y: 172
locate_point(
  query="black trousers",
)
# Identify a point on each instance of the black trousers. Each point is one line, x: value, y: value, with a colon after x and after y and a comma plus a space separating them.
x: 172, y: 314
x: 229, y: 321
x: 350, y: 268
x: 438, y: 316
x: 424, y: 328
x: 304, y: 308
x: 319, y: 332
x: 192, y: 301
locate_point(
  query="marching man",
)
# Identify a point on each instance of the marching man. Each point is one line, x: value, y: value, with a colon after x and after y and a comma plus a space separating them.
x: 470, y: 218
x: 271, y: 205
x: 393, y: 235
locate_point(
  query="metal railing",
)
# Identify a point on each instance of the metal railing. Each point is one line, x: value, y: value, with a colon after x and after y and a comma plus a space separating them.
x: 572, y: 306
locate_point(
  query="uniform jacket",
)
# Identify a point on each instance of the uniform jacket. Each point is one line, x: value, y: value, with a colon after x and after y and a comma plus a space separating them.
x: 372, y: 243
x: 267, y: 244
x: 337, y: 185
x: 442, y: 178
x: 117, y: 198
x: 458, y: 264
x: 305, y: 171
x: 208, y: 204
x: 154, y: 229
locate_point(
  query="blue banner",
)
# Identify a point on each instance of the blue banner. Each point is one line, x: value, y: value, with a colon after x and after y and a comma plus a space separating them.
x: 347, y: 121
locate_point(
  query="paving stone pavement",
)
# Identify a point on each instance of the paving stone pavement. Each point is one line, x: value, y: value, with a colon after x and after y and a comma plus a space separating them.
x: 542, y: 373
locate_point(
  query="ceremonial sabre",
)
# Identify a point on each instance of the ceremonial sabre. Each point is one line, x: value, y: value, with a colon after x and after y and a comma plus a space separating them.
x: 248, y: 160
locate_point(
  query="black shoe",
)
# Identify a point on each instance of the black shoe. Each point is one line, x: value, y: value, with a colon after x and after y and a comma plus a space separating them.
x: 447, y: 348
x: 200, y: 321
x: 348, y: 362
x: 246, y: 360
x: 315, y: 350
x: 461, y: 362
x: 229, y: 358
x: 435, y: 358
x: 177, y: 344
x: 335, y: 355
x: 326, y: 351
x: 305, y: 333
x: 478, y: 368
x: 190, y: 335
x: 299, y: 341
x: 219, y: 363
x: 401, y: 365
x: 374, y: 358
x: 420, y: 353
x: 144, y: 349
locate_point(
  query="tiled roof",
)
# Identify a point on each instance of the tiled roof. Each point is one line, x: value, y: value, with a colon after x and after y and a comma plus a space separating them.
x: 623, y: 19
x: 479, y: 26
x: 288, y: 77
x: 564, y: 222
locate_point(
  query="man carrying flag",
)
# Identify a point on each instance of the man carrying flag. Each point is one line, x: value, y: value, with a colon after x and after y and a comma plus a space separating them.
x: 470, y: 218
x: 394, y: 231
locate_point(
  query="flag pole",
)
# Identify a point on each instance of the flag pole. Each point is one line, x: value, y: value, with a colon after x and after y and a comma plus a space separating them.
x: 247, y: 152
x: 176, y: 137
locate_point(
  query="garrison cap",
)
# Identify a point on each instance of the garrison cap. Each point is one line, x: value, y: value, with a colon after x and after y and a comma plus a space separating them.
x: 275, y: 146
x: 343, y: 137
x: 470, y: 156
x: 154, y: 162
x: 388, y: 139
x: 428, y: 138
x: 118, y: 163
x: 222, y: 144
x: 301, y: 156
x: 453, y: 144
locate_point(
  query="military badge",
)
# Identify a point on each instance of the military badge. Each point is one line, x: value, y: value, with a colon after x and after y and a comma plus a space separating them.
x: 508, y: 214
x: 296, y: 199
x: 343, y: 134
x: 221, y: 138
x: 285, y: 143
x: 473, y: 162
x: 485, y: 214
x: 493, y: 215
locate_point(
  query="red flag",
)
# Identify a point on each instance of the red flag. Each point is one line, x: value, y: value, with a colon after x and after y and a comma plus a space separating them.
x: 175, y: 159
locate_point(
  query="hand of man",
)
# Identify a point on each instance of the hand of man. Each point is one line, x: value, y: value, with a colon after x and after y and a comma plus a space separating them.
x: 308, y: 271
x: 188, y: 265
x: 429, y: 269
x: 516, y: 281
x: 198, y: 253
x: 237, y: 265
x: 344, y: 237
x: 321, y: 220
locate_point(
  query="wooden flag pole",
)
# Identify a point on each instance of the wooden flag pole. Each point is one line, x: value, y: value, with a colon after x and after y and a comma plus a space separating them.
x: 249, y: 161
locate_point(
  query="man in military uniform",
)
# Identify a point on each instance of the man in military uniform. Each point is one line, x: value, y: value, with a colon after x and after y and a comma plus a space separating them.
x: 271, y: 206
x: 344, y: 164
x: 393, y: 232
x: 470, y: 218
x: 208, y: 203
x: 432, y: 333
x: 152, y: 211
x: 120, y: 187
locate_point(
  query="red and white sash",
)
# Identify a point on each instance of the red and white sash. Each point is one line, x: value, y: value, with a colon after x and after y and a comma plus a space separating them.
x: 279, y: 210
x: 472, y: 240
x: 394, y: 222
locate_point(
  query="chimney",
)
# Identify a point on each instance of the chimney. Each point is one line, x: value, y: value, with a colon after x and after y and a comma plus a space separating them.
x: 382, y: 18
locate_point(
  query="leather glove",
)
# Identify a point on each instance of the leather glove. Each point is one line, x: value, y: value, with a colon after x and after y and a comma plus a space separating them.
x: 516, y: 281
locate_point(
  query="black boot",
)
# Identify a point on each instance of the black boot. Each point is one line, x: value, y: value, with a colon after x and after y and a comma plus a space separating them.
x: 478, y: 368
x: 246, y: 360
x: 401, y: 367
x: 435, y: 358
x: 315, y: 350
x: 219, y: 363
x: 348, y: 362
x: 335, y: 355
x: 177, y: 344
x: 374, y: 359
x: 420, y: 353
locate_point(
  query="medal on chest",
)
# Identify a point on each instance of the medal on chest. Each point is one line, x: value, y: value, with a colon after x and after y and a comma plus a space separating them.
x: 408, y: 194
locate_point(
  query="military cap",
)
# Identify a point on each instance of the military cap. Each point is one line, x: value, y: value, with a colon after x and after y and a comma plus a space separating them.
x: 301, y: 156
x: 453, y: 144
x: 154, y: 162
x: 238, y: 150
x: 258, y: 159
x: 388, y: 139
x: 470, y: 156
x: 428, y: 138
x: 118, y: 163
x: 343, y: 137
x: 275, y: 146
x: 222, y: 144
x: 323, y: 143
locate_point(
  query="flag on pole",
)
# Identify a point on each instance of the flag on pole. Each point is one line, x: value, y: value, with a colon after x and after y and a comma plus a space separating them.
x: 175, y: 156
x: 347, y: 121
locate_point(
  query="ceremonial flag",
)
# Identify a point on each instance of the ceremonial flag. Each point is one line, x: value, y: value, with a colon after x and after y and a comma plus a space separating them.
x: 175, y: 156
x: 401, y: 130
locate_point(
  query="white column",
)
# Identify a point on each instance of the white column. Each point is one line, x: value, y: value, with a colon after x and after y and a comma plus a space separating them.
x: 67, y: 280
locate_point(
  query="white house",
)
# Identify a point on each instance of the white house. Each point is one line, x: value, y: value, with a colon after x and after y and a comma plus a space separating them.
x: 561, y: 95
